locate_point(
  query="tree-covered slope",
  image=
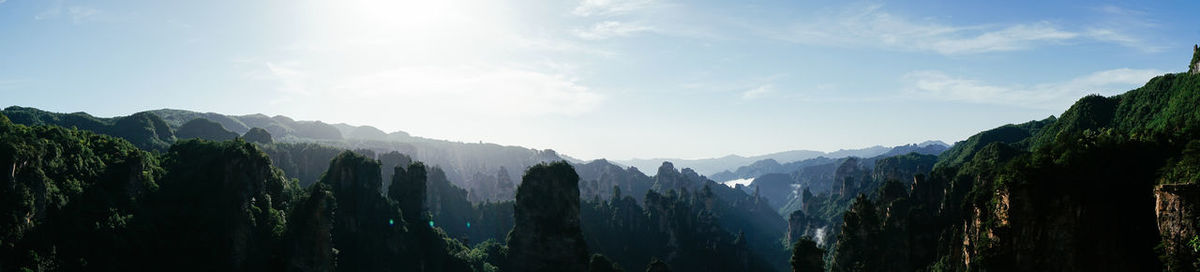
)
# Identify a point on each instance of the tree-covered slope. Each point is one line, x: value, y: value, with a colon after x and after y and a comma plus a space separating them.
x: 145, y: 130
x: 1081, y: 187
x: 79, y: 201
x: 489, y: 172
x: 68, y: 197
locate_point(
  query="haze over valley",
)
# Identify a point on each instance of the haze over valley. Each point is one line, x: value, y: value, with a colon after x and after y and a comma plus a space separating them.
x: 599, y: 136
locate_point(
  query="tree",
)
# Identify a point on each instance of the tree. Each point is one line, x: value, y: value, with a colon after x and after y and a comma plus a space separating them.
x: 657, y: 265
x: 258, y: 135
x: 204, y: 129
x: 807, y: 256
x: 547, y: 235
x: 599, y: 263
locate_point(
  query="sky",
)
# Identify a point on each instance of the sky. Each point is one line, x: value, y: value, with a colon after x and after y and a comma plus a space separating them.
x: 615, y: 79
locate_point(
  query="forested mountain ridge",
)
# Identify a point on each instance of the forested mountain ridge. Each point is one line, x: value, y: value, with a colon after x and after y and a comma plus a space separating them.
x: 772, y: 166
x: 714, y: 165
x: 336, y: 223
x: 475, y: 167
x: 75, y: 200
x: 1107, y: 186
x: 1113, y: 183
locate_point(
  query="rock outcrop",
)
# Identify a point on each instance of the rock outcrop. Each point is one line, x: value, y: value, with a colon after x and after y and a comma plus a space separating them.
x: 310, y: 243
x: 408, y: 190
x: 361, y: 233
x: 1194, y: 66
x: 258, y: 135
x: 547, y: 234
x: 201, y: 128
x: 367, y: 133
x: 797, y: 226
x: 1176, y: 209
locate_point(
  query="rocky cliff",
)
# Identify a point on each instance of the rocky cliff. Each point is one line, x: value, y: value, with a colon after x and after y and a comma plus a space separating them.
x: 1194, y: 66
x: 1176, y: 210
x: 547, y: 234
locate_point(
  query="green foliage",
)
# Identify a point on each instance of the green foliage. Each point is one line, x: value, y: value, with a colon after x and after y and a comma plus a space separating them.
x: 1081, y: 185
x: 448, y: 205
x: 732, y: 210
x: 408, y: 189
x: 212, y: 191
x: 305, y: 162
x: 1194, y: 244
x: 683, y: 228
x: 145, y: 130
x: 962, y: 152
x: 657, y: 265
x: 859, y: 232
x: 547, y: 234
x: 82, y: 201
x: 258, y: 135
x: 1184, y: 169
x: 599, y: 263
x: 177, y: 118
x: 68, y: 195
x: 807, y: 256
x: 204, y: 129
x: 486, y: 256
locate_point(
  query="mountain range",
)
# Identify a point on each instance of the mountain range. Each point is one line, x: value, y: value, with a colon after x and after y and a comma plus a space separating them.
x: 710, y: 166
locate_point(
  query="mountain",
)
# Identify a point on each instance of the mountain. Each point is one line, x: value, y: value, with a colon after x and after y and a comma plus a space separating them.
x: 204, y: 129
x: 144, y: 130
x: 715, y: 165
x: 547, y: 236
x: 770, y: 166
x: 1109, y: 185
x: 200, y: 206
x: 301, y: 148
x: 600, y: 179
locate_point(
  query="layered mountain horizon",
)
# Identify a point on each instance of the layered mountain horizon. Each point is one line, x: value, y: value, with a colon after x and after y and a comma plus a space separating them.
x: 599, y: 136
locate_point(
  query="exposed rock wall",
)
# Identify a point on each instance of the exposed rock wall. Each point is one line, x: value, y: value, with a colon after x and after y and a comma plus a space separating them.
x: 1194, y: 67
x: 547, y: 235
x: 1175, y: 206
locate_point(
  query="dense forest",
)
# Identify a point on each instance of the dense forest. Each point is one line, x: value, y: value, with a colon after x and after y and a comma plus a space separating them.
x: 1110, y: 184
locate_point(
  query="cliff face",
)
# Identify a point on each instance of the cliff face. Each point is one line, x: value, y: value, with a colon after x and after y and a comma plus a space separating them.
x: 547, y: 234
x: 310, y: 239
x: 230, y: 186
x: 362, y: 236
x: 1175, y: 208
x: 1194, y: 66
x: 797, y: 226
x: 846, y: 178
x: 408, y: 190
x: 602, y: 179
x: 1018, y: 224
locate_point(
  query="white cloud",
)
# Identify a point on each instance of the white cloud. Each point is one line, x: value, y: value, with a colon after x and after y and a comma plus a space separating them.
x: 1120, y: 26
x: 51, y: 12
x: 1056, y: 95
x: 610, y: 7
x: 610, y: 29
x: 81, y: 14
x: 464, y: 91
x: 1018, y: 37
x: 736, y: 182
x: 77, y: 14
x: 871, y: 26
x: 758, y: 92
x: 1122, y: 38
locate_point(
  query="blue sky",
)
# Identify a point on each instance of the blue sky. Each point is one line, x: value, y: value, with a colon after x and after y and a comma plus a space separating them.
x: 617, y: 79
